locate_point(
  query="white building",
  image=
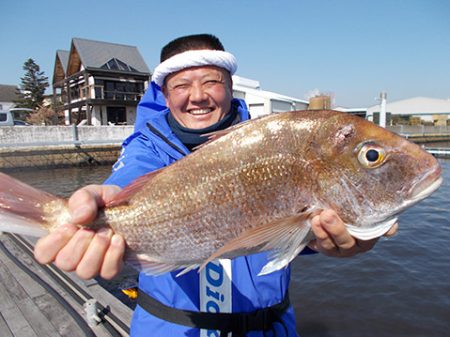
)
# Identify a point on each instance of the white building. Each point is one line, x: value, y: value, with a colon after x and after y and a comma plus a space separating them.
x: 7, y: 96
x: 361, y: 112
x: 262, y: 102
x: 429, y: 110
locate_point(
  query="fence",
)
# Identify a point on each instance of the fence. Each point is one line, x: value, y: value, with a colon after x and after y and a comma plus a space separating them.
x: 420, y: 129
x: 31, y: 136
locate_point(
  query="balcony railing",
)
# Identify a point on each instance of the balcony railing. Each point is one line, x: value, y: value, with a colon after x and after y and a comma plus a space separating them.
x: 98, y: 92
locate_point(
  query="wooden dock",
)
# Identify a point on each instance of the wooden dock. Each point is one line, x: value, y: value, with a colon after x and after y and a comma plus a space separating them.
x: 37, y: 301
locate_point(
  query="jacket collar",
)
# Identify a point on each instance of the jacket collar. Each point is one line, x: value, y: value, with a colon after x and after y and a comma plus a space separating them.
x: 157, y: 126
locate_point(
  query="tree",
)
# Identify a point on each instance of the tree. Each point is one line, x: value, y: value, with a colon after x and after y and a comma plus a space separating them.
x: 32, y: 88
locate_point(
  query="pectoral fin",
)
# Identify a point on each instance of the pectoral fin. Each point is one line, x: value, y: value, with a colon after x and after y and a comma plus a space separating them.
x: 286, y: 237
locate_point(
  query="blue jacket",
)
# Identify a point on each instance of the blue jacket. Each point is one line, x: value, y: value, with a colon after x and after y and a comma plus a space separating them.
x: 231, y: 284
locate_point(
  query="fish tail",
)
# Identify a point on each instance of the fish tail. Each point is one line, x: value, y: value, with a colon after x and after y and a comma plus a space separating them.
x: 25, y: 209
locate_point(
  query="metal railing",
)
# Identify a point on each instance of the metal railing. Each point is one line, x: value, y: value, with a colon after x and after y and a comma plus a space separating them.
x: 420, y: 129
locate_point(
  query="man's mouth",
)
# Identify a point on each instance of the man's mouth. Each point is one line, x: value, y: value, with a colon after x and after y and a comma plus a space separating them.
x: 198, y: 112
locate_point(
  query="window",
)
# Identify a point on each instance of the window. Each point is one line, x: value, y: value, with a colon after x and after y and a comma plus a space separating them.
x: 123, y: 90
x: 74, y: 92
x: 115, y: 64
x: 116, y: 115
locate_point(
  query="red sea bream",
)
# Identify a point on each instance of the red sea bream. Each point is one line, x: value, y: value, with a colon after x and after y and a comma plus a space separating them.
x: 252, y: 188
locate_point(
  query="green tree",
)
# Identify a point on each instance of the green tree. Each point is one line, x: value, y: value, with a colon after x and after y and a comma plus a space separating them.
x: 33, y: 85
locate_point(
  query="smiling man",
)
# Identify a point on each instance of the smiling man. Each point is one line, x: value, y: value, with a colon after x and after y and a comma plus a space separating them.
x: 194, y: 81
x: 198, y: 98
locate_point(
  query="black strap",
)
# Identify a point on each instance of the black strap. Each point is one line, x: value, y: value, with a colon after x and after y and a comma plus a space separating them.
x: 238, y: 323
x: 164, y: 138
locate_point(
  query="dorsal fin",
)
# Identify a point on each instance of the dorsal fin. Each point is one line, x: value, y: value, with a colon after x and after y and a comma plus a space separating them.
x: 213, y: 136
x: 131, y: 189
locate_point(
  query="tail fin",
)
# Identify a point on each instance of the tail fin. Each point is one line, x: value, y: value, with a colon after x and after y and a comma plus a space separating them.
x: 23, y: 209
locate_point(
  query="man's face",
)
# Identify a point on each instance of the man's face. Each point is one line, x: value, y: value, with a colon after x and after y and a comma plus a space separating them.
x: 198, y: 97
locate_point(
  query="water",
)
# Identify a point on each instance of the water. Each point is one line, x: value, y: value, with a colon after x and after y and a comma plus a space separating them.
x: 399, y: 288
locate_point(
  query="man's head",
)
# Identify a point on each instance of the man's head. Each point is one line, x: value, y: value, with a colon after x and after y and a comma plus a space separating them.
x: 190, y: 42
x: 195, y: 77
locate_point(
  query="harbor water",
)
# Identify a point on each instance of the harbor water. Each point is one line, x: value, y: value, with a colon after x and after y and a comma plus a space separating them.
x: 399, y: 288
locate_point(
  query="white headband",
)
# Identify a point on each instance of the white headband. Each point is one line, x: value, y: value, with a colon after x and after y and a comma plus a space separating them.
x: 194, y: 58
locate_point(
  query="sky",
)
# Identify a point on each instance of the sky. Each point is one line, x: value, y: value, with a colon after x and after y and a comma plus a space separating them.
x: 350, y: 49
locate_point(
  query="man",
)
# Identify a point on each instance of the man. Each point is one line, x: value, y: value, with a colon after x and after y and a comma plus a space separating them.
x: 195, y: 79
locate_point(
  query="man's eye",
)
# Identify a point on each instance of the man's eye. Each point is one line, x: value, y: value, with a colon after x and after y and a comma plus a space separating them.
x: 211, y: 82
x: 180, y: 87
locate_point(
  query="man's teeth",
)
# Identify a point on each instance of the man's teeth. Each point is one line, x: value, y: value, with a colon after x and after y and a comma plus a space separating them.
x: 200, y: 111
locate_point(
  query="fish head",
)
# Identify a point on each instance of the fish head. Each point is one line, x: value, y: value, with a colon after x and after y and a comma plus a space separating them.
x: 369, y: 174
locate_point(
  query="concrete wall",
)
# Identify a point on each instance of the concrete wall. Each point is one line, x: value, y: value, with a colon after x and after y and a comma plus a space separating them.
x: 57, y: 156
x: 57, y: 135
x: 59, y: 146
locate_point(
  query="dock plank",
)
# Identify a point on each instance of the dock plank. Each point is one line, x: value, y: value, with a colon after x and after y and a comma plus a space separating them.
x: 40, y: 324
x: 17, y: 323
x: 27, y: 309
x: 16, y: 291
x: 33, y: 289
x: 60, y: 319
x: 6, y: 301
x: 4, y: 329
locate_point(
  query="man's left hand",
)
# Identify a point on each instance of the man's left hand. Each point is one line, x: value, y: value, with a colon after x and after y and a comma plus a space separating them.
x: 333, y: 238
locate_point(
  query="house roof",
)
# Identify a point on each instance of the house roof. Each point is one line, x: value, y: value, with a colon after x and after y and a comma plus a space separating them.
x: 97, y: 55
x: 63, y: 56
x: 61, y: 63
x: 8, y: 93
x: 415, y: 105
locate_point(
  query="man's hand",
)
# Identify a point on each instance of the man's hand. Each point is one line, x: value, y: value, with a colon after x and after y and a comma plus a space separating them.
x: 84, y: 251
x: 333, y: 238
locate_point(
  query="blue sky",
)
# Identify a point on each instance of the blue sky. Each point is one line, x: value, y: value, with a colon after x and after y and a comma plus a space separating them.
x: 351, y: 49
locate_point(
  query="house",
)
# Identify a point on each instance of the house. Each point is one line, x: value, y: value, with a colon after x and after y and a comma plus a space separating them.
x: 8, y: 94
x: 413, y: 111
x: 99, y: 83
x: 262, y: 102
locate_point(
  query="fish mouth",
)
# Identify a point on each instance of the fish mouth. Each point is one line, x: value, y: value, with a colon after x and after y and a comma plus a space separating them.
x: 426, y: 185
x: 420, y: 190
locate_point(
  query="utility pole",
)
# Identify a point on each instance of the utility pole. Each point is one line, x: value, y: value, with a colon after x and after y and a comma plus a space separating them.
x: 383, y: 96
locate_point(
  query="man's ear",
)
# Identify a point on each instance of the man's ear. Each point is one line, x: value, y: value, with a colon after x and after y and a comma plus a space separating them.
x: 165, y: 93
x: 231, y: 84
x: 164, y: 90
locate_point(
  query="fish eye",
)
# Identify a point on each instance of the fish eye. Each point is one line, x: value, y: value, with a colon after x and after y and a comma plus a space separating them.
x: 371, y: 155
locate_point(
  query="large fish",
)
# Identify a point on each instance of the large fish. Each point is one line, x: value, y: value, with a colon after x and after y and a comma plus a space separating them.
x: 252, y: 188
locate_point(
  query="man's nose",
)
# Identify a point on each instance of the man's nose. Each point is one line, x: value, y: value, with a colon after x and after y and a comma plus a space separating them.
x: 197, y: 93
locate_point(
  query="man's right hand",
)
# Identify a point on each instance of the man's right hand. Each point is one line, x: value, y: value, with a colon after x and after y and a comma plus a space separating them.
x: 84, y: 251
